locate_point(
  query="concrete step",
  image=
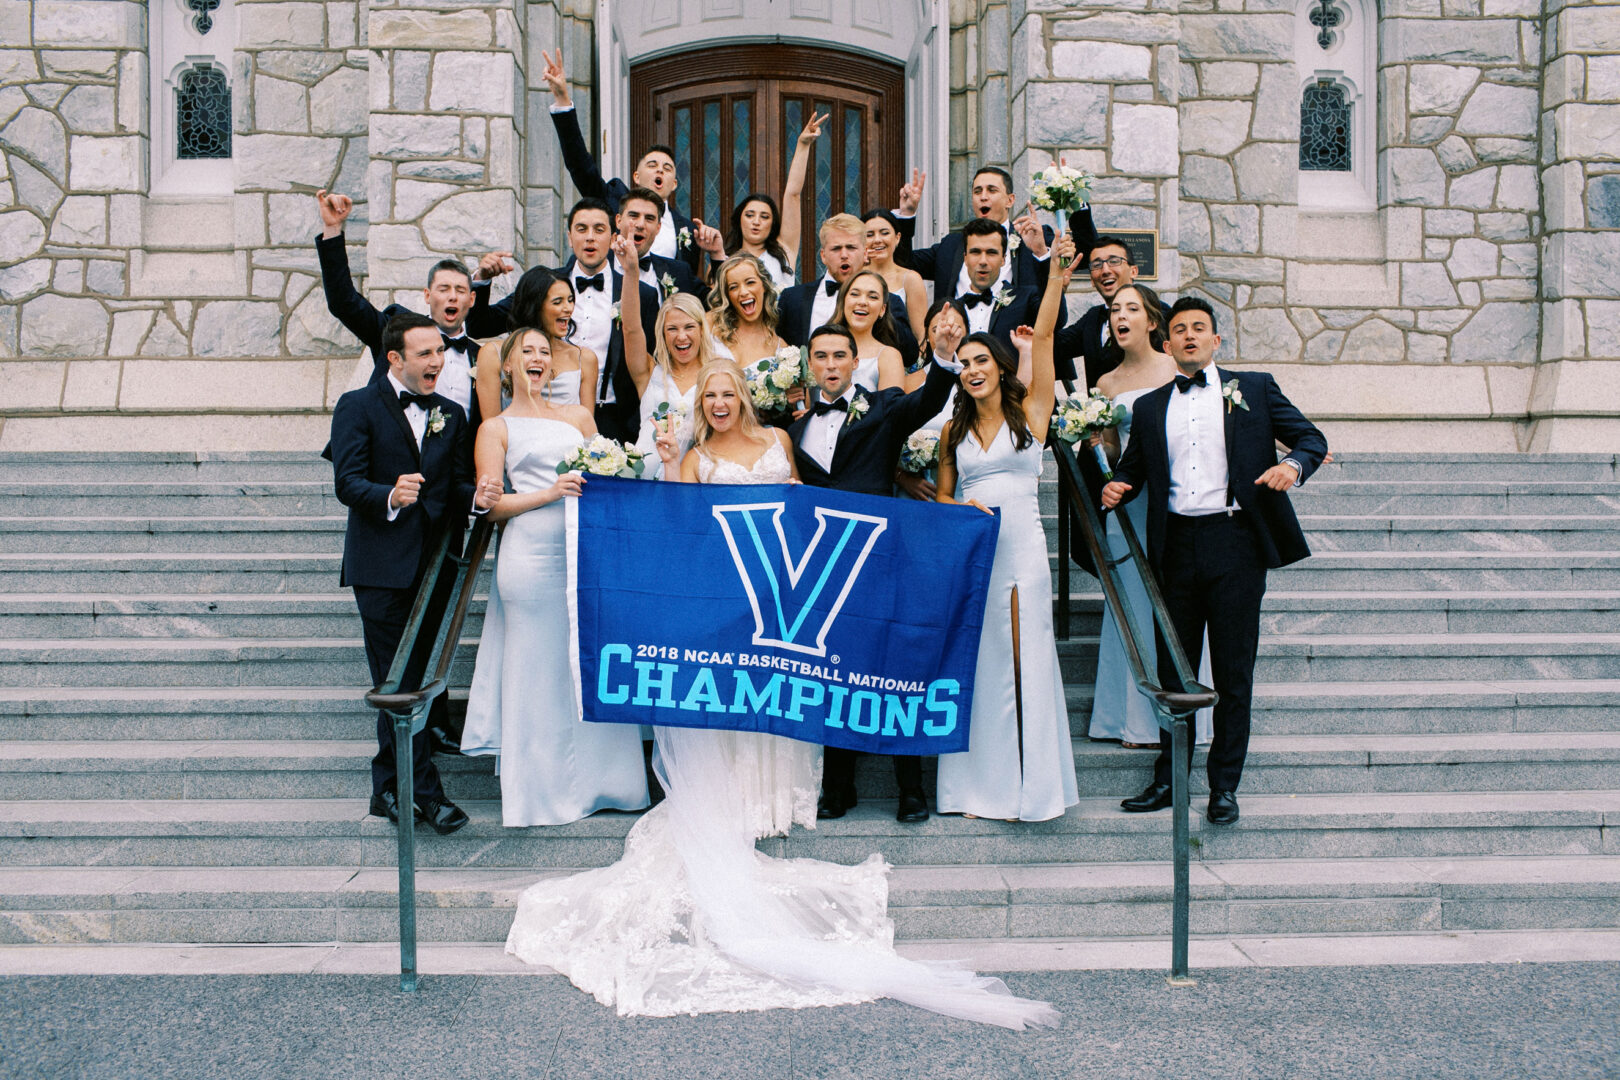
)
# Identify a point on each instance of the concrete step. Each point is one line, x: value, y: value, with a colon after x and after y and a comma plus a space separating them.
x: 338, y: 832
x: 180, y: 905
x: 133, y: 466
x: 169, y: 498
x: 1502, y: 534
x: 1285, y: 764
x: 100, y: 572
x: 1452, y: 571
x: 1432, y: 497
x: 205, y: 535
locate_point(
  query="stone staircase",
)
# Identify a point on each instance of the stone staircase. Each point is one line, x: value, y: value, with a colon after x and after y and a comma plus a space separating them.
x: 183, y: 747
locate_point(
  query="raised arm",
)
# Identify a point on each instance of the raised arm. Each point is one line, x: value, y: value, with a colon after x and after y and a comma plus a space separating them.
x: 582, y: 167
x: 1039, y: 409
x: 637, y: 356
x: 357, y: 314
x: 791, y: 219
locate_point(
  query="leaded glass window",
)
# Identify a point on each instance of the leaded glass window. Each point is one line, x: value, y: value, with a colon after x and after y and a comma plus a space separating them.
x: 1324, y: 128
x: 202, y: 105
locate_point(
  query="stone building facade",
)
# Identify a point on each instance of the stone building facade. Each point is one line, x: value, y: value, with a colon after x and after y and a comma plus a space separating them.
x: 1452, y: 283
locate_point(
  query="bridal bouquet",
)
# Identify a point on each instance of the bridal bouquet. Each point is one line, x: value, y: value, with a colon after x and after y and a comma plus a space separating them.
x: 603, y: 456
x: 680, y: 411
x: 1077, y: 418
x: 1062, y: 190
x: 770, y: 380
x: 921, y: 452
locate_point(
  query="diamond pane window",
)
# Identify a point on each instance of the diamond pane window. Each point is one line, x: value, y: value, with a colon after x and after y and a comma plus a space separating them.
x: 202, y: 105
x: 1324, y: 129
x: 852, y: 161
x: 742, y: 145
x: 711, y: 161
x: 683, y: 161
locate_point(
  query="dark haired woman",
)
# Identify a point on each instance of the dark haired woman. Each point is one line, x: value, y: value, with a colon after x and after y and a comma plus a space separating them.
x: 759, y: 229
x: 882, y: 240
x: 1136, y: 348
x: 1019, y: 764
x: 545, y: 300
x: 863, y: 310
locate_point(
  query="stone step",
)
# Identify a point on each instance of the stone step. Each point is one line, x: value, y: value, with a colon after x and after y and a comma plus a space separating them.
x: 196, y: 905
x: 338, y: 832
x: 169, y: 498
x: 101, y: 572
x: 1431, y: 497
x: 205, y: 535
x: 1466, y: 571
x: 1288, y: 764
x: 134, y: 466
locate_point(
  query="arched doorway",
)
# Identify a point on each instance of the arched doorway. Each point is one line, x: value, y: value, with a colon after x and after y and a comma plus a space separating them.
x: 735, y: 134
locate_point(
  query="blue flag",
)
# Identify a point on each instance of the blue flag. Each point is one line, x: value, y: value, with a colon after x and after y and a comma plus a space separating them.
x: 848, y: 620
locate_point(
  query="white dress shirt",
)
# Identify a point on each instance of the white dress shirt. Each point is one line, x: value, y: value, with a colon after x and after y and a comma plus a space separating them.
x: 649, y: 274
x: 821, y: 310
x: 1195, y: 435
x: 664, y: 244
x: 415, y: 416
x: 456, y: 379
x: 593, y: 321
x: 979, y: 315
x: 821, y: 434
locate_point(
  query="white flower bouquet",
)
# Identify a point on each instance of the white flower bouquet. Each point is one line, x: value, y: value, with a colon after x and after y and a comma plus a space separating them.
x: 774, y: 377
x: 1078, y: 418
x: 1062, y: 190
x: 921, y: 453
x: 679, y: 410
x: 603, y: 456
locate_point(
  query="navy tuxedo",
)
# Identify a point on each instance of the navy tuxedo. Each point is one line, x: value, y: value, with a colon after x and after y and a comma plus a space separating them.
x: 384, y: 561
x: 587, y: 177
x: 941, y: 262
x: 796, y: 303
x: 1023, y: 304
x: 622, y: 419
x: 1212, y: 567
x: 685, y: 280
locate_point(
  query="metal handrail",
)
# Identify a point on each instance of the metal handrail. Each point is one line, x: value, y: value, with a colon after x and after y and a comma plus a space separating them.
x: 1075, y: 489
x: 409, y: 708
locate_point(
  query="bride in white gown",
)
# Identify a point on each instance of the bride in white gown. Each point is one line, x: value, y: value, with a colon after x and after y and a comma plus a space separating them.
x: 693, y: 918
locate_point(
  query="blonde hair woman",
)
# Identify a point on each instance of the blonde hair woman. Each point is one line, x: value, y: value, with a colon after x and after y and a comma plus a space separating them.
x: 729, y: 444
x: 743, y: 311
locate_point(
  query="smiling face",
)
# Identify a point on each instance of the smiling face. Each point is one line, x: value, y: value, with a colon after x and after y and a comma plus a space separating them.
x: 880, y: 240
x: 1109, y: 271
x: 842, y: 253
x: 832, y: 364
x: 1128, y: 318
x: 640, y: 221
x: 656, y: 171
x: 530, y: 364
x: 981, y: 377
x: 589, y: 235
x: 558, y: 310
x: 984, y: 258
x: 1193, y: 340
x: 990, y: 198
x: 721, y: 402
x: 682, y: 336
x: 756, y: 222
x: 448, y: 299
x: 418, y: 367
x: 745, y: 292
x: 865, y: 302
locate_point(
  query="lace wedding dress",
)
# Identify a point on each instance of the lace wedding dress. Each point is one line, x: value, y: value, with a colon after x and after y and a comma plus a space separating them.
x: 693, y: 919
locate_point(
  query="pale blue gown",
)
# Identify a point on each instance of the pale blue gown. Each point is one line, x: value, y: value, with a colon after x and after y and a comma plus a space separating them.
x: 1118, y: 709
x: 555, y: 768
x: 1002, y: 775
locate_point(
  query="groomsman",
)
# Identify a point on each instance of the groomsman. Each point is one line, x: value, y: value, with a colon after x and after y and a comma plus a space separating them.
x: 993, y: 307
x: 850, y: 439
x: 1218, y: 517
x: 655, y: 170
x: 1112, y: 268
x: 812, y: 303
x: 597, y: 287
x: 944, y: 263
x: 452, y: 295
x: 640, y: 217
x: 402, y: 465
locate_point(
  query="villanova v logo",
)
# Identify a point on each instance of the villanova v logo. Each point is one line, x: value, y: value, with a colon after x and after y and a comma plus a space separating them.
x: 782, y: 592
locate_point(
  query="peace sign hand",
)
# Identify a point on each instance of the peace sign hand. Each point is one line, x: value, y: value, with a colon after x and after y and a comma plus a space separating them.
x: 812, y: 128
x: 557, y: 78
x: 1029, y: 229
x: 911, y: 194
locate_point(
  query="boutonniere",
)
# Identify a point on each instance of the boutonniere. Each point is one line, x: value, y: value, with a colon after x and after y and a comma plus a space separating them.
x: 683, y: 239
x: 435, y: 421
x: 668, y: 282
x: 615, y: 313
x: 1014, y: 241
x: 1003, y: 296
x: 857, y: 408
x: 1233, y: 396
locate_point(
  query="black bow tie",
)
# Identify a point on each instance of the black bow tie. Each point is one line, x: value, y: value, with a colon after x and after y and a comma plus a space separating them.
x: 421, y: 401
x: 1183, y: 384
x: 822, y: 408
x: 974, y: 299
x: 830, y: 285
x: 458, y: 344
x: 583, y: 283
x: 646, y: 262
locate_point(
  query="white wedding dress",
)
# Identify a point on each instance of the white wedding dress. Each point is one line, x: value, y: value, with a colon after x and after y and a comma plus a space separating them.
x: 693, y: 919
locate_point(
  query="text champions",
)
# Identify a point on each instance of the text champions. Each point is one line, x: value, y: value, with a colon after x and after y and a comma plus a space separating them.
x: 701, y: 682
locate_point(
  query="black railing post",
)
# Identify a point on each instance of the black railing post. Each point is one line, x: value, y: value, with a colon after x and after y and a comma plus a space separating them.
x: 405, y: 765
x: 1064, y: 502
x: 1181, y: 904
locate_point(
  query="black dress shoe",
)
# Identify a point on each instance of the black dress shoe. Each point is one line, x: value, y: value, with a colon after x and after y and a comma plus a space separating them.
x: 835, y: 804
x: 386, y: 804
x: 1153, y: 797
x: 444, y: 741
x: 441, y: 815
x: 1223, y: 808
x: 913, y: 807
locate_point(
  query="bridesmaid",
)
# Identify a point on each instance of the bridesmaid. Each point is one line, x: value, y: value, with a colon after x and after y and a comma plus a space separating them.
x: 1138, y: 363
x: 542, y: 299
x: 944, y: 327
x: 1020, y: 762
x: 554, y: 767
x: 743, y: 312
x: 772, y: 237
x: 882, y: 239
x: 863, y: 308
x: 665, y: 378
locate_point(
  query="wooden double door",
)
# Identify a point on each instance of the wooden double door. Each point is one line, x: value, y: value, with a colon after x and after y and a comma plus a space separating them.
x: 733, y: 117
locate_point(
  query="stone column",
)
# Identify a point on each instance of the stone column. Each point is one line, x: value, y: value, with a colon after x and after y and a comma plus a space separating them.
x: 1574, y: 404
x: 446, y: 156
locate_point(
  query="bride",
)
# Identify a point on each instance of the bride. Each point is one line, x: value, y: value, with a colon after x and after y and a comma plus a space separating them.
x: 693, y: 919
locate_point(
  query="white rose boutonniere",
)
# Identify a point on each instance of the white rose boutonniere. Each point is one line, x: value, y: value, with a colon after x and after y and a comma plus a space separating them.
x: 616, y: 315
x: 436, y: 420
x: 668, y: 283
x: 1233, y: 396
x: 1014, y: 242
x: 683, y: 239
x: 857, y: 408
x: 1004, y: 296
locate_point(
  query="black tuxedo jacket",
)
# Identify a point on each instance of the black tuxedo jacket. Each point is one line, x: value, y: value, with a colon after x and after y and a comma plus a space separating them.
x: 798, y: 301
x: 1020, y: 310
x: 359, y: 315
x: 941, y: 263
x: 587, y: 176
x: 623, y: 419
x: 372, y: 447
x: 869, y: 448
x: 685, y: 280
x: 1083, y: 339
x: 1252, y: 436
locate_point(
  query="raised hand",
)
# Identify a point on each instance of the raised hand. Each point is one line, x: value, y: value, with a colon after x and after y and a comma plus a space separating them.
x: 1030, y: 231
x: 557, y: 78
x: 947, y: 338
x: 812, y: 128
x: 1065, y: 255
x: 335, y: 210
x: 493, y: 265
x: 708, y: 238
x: 1113, y: 492
x: 911, y: 194
x: 667, y: 443
x: 407, y: 489
x: 629, y: 258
